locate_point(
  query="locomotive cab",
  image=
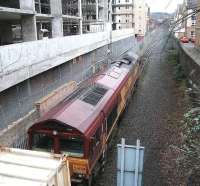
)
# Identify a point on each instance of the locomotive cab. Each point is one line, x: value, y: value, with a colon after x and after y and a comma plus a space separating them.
x: 57, y: 138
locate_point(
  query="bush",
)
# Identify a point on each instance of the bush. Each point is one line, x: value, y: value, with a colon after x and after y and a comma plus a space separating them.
x: 191, y: 147
x: 178, y: 70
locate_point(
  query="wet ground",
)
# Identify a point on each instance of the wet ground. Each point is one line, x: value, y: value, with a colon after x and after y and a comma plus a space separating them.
x: 146, y: 118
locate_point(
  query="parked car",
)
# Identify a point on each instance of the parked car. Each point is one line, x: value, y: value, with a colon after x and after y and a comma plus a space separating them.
x: 184, y: 39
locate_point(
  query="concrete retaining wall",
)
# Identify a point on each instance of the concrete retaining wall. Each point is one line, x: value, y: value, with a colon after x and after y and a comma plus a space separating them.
x: 17, y: 101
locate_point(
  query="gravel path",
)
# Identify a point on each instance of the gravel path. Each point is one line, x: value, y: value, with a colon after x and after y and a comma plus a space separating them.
x: 146, y: 119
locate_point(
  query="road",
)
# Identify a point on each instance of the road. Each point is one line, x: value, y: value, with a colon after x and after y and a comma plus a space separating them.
x: 146, y: 117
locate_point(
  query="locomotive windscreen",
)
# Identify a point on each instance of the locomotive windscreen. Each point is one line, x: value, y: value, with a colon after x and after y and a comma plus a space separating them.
x: 72, y: 146
x: 42, y: 142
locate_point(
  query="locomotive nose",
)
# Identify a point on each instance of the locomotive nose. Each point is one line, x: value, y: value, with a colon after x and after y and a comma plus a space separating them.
x: 130, y: 57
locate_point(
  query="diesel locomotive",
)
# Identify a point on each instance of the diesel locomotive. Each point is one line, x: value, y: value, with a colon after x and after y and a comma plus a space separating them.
x: 82, y: 126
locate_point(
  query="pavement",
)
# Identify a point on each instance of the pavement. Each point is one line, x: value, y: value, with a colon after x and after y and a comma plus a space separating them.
x: 146, y: 118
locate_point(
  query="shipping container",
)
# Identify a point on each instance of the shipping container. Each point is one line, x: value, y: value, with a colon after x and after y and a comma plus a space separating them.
x: 30, y: 168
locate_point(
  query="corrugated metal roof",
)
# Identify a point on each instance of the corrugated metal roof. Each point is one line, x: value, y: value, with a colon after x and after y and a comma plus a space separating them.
x: 26, y: 168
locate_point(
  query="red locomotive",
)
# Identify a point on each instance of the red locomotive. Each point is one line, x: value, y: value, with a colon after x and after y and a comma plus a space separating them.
x: 81, y: 126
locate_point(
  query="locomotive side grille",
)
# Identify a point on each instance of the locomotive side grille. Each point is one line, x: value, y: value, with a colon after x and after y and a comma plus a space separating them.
x: 94, y: 95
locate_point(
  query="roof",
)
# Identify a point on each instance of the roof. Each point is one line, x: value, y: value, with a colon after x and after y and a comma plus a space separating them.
x: 77, y: 114
x: 113, y: 77
x: 80, y: 112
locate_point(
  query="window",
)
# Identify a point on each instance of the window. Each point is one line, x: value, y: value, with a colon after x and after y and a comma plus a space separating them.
x: 72, y: 146
x: 111, y: 118
x: 10, y: 4
x: 42, y: 142
x: 193, y: 17
x: 42, y: 6
x: 192, y: 33
x: 119, y: 20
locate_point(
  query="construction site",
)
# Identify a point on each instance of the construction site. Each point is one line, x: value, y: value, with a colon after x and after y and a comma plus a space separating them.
x: 24, y: 21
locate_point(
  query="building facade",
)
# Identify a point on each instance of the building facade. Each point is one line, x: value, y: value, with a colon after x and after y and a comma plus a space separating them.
x: 123, y: 14
x: 185, y: 27
x: 179, y: 28
x: 142, y: 17
x: 131, y: 14
x: 191, y: 26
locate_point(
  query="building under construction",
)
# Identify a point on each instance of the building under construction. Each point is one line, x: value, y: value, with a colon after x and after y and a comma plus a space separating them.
x: 29, y: 20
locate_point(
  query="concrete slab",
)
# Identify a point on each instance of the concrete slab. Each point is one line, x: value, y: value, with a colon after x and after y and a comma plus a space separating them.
x: 22, y: 61
x: 15, y: 10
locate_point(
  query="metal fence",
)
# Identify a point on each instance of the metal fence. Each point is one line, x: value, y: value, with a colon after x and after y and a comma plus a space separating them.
x: 129, y: 164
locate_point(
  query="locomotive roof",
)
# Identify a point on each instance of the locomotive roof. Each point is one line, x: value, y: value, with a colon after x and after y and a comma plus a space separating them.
x: 80, y: 112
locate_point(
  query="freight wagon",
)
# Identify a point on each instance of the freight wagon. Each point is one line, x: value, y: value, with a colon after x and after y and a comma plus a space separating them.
x: 32, y: 168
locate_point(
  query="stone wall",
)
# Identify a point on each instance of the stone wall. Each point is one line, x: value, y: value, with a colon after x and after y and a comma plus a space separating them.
x: 189, y: 57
